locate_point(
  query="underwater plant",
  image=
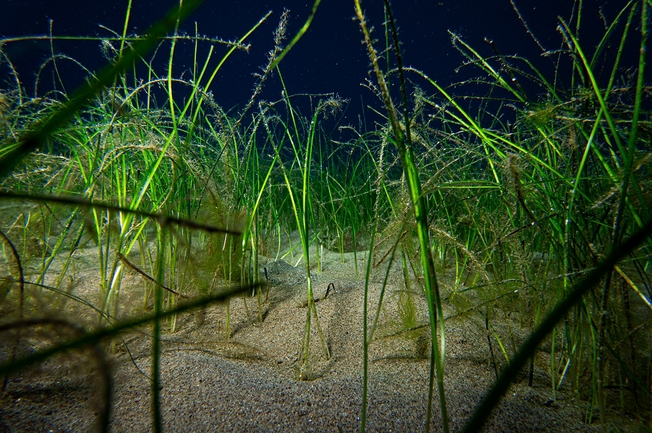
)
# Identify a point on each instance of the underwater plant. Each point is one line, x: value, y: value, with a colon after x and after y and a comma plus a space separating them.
x: 522, y: 209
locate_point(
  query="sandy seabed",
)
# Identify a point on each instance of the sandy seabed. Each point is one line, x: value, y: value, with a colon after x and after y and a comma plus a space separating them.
x: 249, y: 383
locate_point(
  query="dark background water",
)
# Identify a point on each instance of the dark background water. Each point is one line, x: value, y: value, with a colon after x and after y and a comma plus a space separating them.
x: 329, y: 59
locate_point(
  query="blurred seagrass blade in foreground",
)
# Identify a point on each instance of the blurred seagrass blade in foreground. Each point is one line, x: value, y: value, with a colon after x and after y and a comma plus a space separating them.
x: 41, y: 131
x: 91, y: 339
x: 517, y: 362
x: 82, y: 96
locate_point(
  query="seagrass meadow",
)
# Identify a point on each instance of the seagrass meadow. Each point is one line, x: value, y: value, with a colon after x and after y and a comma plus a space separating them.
x: 473, y: 257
